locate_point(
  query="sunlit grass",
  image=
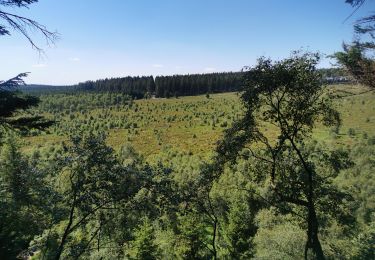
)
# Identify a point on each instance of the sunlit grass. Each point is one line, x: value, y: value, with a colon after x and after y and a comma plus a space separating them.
x: 193, y: 125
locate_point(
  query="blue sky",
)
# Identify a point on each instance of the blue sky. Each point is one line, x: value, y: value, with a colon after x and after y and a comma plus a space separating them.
x: 115, y: 38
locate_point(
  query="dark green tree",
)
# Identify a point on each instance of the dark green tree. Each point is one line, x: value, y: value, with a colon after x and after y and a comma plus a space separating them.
x: 143, y: 246
x: 92, y: 184
x: 288, y: 97
x: 23, y: 196
x: 357, y: 58
x: 12, y: 100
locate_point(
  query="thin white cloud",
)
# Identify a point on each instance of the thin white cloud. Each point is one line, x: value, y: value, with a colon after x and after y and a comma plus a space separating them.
x: 209, y: 69
x: 75, y: 59
x: 39, y: 65
x: 157, y: 65
x: 178, y: 67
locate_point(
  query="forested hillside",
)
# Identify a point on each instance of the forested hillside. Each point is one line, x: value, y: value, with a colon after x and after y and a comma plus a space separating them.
x: 195, y: 177
x: 273, y: 162
x: 158, y: 147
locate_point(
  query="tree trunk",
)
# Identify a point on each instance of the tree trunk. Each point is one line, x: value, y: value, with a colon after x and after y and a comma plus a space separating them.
x: 66, y: 233
x: 313, y: 242
x: 214, y: 239
x: 312, y: 221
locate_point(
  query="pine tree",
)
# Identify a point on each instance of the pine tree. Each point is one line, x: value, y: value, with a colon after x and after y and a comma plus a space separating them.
x: 143, y: 246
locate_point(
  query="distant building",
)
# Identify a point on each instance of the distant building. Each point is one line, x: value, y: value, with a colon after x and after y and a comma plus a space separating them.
x: 334, y: 80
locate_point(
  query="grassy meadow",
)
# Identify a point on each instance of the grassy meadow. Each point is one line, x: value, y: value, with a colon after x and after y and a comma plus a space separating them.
x: 189, y: 125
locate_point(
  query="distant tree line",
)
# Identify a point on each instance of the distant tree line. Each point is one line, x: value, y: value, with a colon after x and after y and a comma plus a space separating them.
x: 136, y: 87
x: 38, y: 89
x: 171, y: 86
x: 197, y: 84
x: 167, y: 86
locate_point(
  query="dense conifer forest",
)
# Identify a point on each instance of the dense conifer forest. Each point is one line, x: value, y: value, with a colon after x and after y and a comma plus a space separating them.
x: 171, y: 86
x: 160, y: 86
x: 167, y: 86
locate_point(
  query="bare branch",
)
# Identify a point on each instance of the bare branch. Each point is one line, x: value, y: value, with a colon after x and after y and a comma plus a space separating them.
x: 357, y: 4
x: 23, y: 25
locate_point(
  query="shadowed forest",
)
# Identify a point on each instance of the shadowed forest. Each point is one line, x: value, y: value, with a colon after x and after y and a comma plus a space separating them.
x: 275, y: 161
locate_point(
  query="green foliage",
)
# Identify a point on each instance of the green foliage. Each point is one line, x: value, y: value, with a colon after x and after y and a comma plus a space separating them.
x: 279, y: 237
x: 354, y: 59
x: 172, y: 208
x: 80, y: 199
x: 143, y: 246
x: 239, y: 230
x: 288, y: 95
x: 22, y: 208
x: 190, y: 243
x: 364, y: 244
x: 357, y: 58
x: 90, y: 181
x: 13, y: 101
